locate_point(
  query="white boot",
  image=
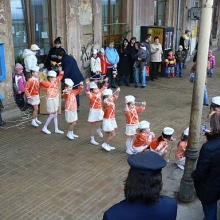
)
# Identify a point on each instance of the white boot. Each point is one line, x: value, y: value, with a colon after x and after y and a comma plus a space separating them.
x: 111, y: 147
x: 74, y: 135
x: 38, y: 122
x: 69, y: 135
x: 105, y: 146
x: 34, y: 123
x: 57, y: 131
x: 92, y: 141
x: 45, y: 130
x: 99, y: 131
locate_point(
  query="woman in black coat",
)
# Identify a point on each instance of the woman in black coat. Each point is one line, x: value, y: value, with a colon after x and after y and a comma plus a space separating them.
x: 206, y: 176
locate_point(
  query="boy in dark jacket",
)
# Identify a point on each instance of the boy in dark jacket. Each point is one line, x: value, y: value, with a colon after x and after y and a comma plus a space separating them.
x: 180, y: 57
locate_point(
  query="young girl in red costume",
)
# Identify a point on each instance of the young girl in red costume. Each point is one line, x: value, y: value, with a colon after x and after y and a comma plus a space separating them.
x: 131, y: 113
x: 32, y: 94
x: 95, y: 113
x: 71, y: 116
x: 52, y: 99
x: 109, y: 123
x: 143, y: 137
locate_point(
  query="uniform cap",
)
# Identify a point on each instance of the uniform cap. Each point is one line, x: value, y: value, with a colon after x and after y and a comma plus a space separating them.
x: 147, y: 162
x: 69, y: 82
x: 102, y: 50
x: 52, y: 73
x: 35, y: 68
x: 95, y: 51
x: 93, y: 85
x: 144, y: 125
x: 168, y: 131
x: 107, y: 92
x: 186, y: 132
x: 129, y: 98
x: 34, y: 47
x: 216, y: 100
x: 18, y: 67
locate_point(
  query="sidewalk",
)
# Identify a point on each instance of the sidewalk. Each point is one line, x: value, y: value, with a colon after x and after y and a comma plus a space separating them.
x: 50, y: 177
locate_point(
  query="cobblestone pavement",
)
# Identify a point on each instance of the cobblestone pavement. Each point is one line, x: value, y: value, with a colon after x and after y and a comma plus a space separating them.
x: 51, y: 177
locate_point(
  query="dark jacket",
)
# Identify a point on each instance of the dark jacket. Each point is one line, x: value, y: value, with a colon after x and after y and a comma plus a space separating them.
x: 124, y: 65
x: 180, y: 56
x: 206, y: 176
x: 71, y: 69
x: 148, y: 52
x: 164, y: 209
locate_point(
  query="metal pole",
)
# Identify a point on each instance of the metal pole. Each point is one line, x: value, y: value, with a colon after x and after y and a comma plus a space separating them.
x: 186, y: 193
x: 178, y: 25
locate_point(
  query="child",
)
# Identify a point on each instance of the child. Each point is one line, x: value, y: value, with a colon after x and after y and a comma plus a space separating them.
x: 160, y: 144
x: 32, y: 94
x: 170, y: 64
x: 19, y: 83
x: 141, y: 58
x: 2, y: 123
x: 95, y: 113
x: 211, y: 60
x: 109, y: 123
x: 181, y: 148
x: 52, y: 98
x: 131, y: 113
x: 69, y: 94
x: 143, y: 137
x: 103, y: 61
x: 215, y: 106
x: 95, y: 65
x: 180, y: 57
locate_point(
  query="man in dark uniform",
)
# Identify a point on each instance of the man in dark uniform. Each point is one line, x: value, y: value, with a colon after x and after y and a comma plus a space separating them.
x: 142, y: 192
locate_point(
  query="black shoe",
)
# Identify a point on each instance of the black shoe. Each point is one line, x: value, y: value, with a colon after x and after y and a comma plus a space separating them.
x: 114, y: 87
x: 156, y: 78
x: 136, y: 86
x: 206, y: 104
x: 142, y: 87
x: 127, y: 85
x: 180, y: 76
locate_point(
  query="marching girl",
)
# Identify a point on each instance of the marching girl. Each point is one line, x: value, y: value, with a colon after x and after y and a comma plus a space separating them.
x: 52, y: 99
x: 69, y: 94
x: 215, y: 106
x: 95, y: 113
x: 109, y: 123
x: 32, y: 94
x: 131, y: 113
x: 181, y: 148
x: 143, y: 137
x: 160, y: 144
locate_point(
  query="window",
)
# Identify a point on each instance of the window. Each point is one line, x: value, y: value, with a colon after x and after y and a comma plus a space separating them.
x: 112, y: 26
x: 30, y: 25
x: 159, y: 12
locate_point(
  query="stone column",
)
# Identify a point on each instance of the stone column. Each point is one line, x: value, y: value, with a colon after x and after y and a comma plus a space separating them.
x: 97, y: 21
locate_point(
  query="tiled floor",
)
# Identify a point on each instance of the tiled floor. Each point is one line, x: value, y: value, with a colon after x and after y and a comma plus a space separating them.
x: 50, y: 177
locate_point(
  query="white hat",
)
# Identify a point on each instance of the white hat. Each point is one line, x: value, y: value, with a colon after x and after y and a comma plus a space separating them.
x: 129, y: 98
x: 168, y: 131
x: 102, y: 50
x: 107, y: 92
x: 186, y: 132
x: 216, y: 100
x: 69, y: 82
x: 95, y: 51
x: 52, y: 73
x: 92, y: 85
x: 34, y: 47
x: 144, y: 125
x: 35, y: 68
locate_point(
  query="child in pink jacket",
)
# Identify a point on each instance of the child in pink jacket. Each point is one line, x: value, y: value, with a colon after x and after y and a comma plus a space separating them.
x: 211, y: 60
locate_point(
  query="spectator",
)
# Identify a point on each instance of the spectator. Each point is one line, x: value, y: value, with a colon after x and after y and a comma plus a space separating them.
x: 142, y: 192
x: 131, y: 44
x: 211, y: 59
x: 206, y: 176
x: 148, y: 49
x: 71, y: 70
x: 180, y: 56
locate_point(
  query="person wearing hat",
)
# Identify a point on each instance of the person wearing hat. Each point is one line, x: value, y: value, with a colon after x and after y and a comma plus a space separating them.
x: 95, y: 112
x: 143, y: 137
x: 19, y: 83
x: 103, y: 62
x: 71, y: 70
x: 2, y: 123
x: 181, y: 148
x: 51, y: 60
x: 142, y: 191
x: 160, y: 144
x: 32, y: 94
x: 71, y: 116
x: 170, y: 63
x: 109, y: 123
x: 52, y: 99
x: 156, y: 57
x: 206, y: 176
x: 95, y: 65
x: 180, y: 56
x: 215, y: 106
x: 131, y: 113
x: 185, y: 43
x: 30, y: 59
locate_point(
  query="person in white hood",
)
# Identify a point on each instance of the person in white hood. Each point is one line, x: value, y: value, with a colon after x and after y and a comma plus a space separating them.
x: 30, y: 59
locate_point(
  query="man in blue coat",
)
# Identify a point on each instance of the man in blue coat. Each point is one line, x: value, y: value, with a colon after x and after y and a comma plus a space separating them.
x: 142, y: 192
x: 71, y: 70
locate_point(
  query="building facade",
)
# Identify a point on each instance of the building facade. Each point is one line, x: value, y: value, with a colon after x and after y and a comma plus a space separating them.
x: 84, y: 24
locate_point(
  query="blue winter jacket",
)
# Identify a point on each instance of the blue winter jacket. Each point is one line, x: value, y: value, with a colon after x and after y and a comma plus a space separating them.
x: 111, y: 56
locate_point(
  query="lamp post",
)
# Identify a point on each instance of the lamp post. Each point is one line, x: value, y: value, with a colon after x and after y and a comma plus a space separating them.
x: 186, y: 193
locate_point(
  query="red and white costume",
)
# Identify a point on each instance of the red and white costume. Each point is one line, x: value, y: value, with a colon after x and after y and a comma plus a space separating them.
x: 179, y: 154
x: 71, y: 105
x: 159, y: 145
x: 32, y: 91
